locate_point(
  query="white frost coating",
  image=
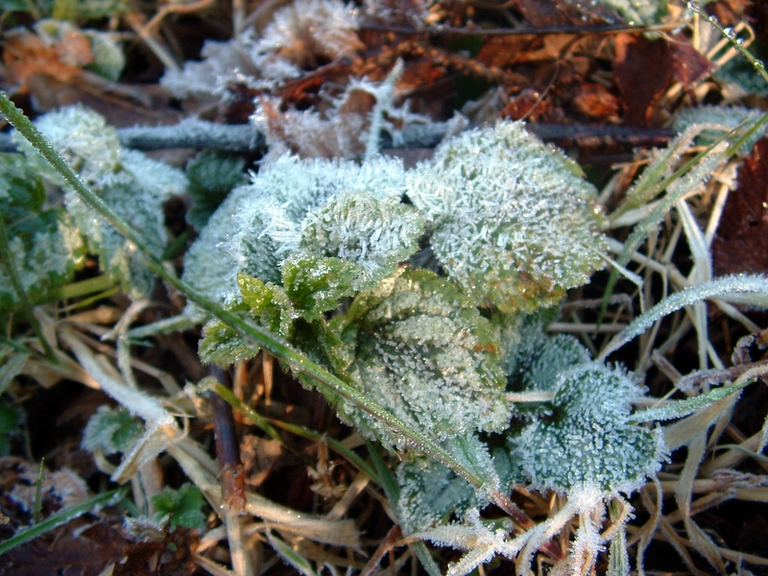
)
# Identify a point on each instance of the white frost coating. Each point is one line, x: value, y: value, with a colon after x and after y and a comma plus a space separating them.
x: 512, y: 224
x: 589, y: 443
x: 719, y: 120
x: 739, y: 284
x: 299, y: 36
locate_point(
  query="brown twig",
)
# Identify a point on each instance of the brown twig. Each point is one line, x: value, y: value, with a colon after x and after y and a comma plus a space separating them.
x: 227, y: 447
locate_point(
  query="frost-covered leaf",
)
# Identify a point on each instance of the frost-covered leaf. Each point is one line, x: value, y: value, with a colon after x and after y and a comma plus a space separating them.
x: 512, y: 221
x: 588, y: 441
x: 420, y: 349
x: 182, y: 506
x: 300, y: 36
x: 111, y: 430
x: 536, y: 361
x: 212, y: 176
x: 260, y: 224
x: 133, y: 185
x: 224, y: 345
x: 315, y: 284
x: 430, y: 493
x: 375, y: 235
x: 44, y: 245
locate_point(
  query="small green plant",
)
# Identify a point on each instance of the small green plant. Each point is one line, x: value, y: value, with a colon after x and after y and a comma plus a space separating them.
x: 182, y: 507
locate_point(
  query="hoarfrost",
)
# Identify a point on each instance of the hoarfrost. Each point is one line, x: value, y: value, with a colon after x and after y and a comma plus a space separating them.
x: 511, y: 222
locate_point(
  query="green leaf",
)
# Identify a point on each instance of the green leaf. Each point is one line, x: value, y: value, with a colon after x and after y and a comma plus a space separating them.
x: 511, y: 223
x: 111, y: 430
x: 184, y: 506
x: 11, y: 419
x: 419, y: 348
x: 672, y: 409
x: 212, y: 176
x: 314, y: 284
x: 223, y: 345
x: 430, y: 493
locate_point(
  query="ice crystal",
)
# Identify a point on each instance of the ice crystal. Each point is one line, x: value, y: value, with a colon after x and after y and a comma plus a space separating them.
x: 588, y: 442
x: 300, y: 36
x: 421, y: 350
x: 511, y: 221
x: 45, y: 247
x: 133, y: 185
x: 260, y: 224
x: 430, y: 493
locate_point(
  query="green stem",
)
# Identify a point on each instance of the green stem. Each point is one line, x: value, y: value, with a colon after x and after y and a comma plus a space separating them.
x: 10, y: 269
x: 82, y: 288
x: 60, y: 518
x: 325, y: 381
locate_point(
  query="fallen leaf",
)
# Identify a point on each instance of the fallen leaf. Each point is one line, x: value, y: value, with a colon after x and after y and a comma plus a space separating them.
x: 741, y: 244
x: 641, y: 84
x: 595, y: 101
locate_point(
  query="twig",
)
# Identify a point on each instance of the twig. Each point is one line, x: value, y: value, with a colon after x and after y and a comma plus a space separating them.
x: 227, y: 447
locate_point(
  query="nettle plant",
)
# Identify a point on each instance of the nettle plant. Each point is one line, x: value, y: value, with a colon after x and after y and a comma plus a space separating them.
x: 417, y: 300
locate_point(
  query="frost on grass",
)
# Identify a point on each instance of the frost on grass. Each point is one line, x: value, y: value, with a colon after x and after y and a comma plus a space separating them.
x: 421, y: 350
x: 512, y: 222
x: 588, y: 441
x: 133, y: 185
x: 45, y: 247
x: 719, y: 121
x: 299, y: 37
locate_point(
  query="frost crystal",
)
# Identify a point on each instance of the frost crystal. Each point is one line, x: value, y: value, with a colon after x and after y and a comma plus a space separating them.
x: 422, y: 351
x: 261, y: 224
x: 512, y: 223
x: 588, y: 442
x: 134, y: 186
x: 374, y: 234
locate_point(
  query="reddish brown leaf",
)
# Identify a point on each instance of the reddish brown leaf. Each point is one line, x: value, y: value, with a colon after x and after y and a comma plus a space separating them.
x: 741, y: 244
x: 595, y: 101
x: 644, y: 69
x: 26, y: 54
x: 689, y: 64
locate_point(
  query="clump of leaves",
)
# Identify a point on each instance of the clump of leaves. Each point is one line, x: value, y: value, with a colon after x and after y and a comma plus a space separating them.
x: 131, y: 183
x: 45, y: 248
x: 182, y: 507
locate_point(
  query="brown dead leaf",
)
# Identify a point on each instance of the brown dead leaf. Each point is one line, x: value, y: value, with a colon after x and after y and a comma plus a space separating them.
x: 741, y: 244
x: 689, y: 65
x: 595, y: 101
x: 644, y: 69
x: 551, y: 13
x: 26, y: 54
